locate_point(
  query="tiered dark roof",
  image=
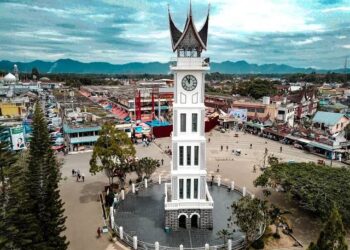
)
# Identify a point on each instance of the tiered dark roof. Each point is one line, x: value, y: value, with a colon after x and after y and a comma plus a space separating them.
x: 190, y: 39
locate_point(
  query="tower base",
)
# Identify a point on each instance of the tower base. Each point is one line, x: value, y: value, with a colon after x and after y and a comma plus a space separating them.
x: 189, y: 218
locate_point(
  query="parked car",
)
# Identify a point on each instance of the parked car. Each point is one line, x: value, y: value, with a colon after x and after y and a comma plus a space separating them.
x: 298, y: 146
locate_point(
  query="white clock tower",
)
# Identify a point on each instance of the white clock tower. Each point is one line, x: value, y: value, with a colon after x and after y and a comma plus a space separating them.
x: 188, y: 202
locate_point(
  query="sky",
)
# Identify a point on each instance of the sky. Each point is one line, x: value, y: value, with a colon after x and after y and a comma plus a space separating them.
x: 300, y: 33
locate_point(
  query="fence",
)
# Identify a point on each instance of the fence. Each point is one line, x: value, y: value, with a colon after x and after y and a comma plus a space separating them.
x: 133, y: 242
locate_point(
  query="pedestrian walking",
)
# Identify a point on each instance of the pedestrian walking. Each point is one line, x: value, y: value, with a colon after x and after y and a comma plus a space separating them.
x: 266, y: 150
x: 98, y: 232
x: 254, y: 169
x: 162, y: 162
x: 73, y: 172
x: 78, y: 177
x: 251, y: 146
x: 209, y: 140
x: 222, y: 147
x: 281, y: 149
x: 226, y: 148
x: 218, y: 169
x: 83, y: 177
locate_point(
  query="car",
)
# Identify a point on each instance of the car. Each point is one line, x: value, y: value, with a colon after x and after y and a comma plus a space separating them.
x: 298, y: 146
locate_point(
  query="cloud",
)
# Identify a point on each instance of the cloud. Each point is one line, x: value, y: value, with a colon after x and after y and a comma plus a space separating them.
x: 347, y: 46
x: 337, y: 9
x: 341, y: 37
x: 293, y: 32
x: 307, y: 41
x: 265, y: 16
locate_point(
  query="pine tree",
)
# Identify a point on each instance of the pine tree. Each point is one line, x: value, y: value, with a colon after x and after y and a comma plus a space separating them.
x: 36, y: 163
x: 18, y: 224
x: 54, y: 219
x: 332, y: 237
x: 42, y: 179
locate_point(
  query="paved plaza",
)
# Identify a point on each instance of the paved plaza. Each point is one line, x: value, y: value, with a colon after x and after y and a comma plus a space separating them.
x: 142, y: 214
x: 83, y: 209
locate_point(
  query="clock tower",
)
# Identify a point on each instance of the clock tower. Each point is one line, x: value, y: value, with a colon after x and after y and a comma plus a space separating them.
x: 188, y: 203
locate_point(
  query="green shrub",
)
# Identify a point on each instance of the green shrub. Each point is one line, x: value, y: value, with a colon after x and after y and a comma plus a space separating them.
x: 258, y: 244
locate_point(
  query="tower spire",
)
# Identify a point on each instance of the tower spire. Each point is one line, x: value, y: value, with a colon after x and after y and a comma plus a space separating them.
x: 190, y: 12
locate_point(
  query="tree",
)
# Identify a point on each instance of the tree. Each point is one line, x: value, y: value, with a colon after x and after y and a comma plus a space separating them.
x: 113, y: 153
x: 54, y: 219
x: 332, y: 236
x: 35, y: 73
x: 7, y: 158
x: 146, y: 166
x: 18, y: 225
x: 251, y: 215
x: 276, y: 217
x: 224, y: 234
x: 314, y: 187
x: 42, y: 180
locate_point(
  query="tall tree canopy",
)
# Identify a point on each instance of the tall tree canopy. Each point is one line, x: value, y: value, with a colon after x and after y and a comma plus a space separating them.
x: 42, y: 180
x: 332, y: 236
x: 113, y: 153
x: 316, y: 188
x: 251, y: 215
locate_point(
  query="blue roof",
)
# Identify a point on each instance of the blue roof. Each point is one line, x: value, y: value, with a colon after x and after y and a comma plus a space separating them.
x: 328, y: 118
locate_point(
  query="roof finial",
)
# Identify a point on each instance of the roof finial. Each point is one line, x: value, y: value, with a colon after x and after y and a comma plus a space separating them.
x: 190, y: 13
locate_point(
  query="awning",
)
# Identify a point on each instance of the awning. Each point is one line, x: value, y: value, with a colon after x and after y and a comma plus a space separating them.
x: 255, y: 125
x: 84, y: 139
x: 320, y: 145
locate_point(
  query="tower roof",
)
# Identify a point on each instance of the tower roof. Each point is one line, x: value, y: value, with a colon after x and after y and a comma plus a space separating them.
x: 190, y: 38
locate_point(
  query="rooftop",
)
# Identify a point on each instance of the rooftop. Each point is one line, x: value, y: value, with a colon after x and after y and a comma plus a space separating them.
x: 328, y: 118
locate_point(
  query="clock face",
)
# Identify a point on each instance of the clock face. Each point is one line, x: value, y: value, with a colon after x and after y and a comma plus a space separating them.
x: 189, y: 82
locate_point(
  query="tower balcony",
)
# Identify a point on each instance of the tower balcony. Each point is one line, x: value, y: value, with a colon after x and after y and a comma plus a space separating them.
x: 170, y: 204
x: 190, y: 63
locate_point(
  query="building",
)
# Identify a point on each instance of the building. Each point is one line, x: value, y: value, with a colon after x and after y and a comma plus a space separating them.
x: 142, y: 101
x: 188, y: 203
x: 285, y: 114
x: 11, y: 109
x: 257, y: 110
x: 329, y: 122
x: 305, y: 103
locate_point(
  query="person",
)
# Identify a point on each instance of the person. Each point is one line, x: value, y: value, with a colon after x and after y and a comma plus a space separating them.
x: 254, y: 169
x: 162, y: 162
x: 222, y: 147
x: 83, y: 177
x: 78, y: 172
x: 281, y: 149
x: 73, y: 172
x: 217, y: 170
x: 226, y: 148
x: 98, y: 232
x: 20, y: 143
x: 266, y: 150
x: 78, y: 177
x: 251, y: 146
x: 209, y: 140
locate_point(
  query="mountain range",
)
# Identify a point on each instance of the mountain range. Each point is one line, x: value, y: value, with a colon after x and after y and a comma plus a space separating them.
x: 226, y: 67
